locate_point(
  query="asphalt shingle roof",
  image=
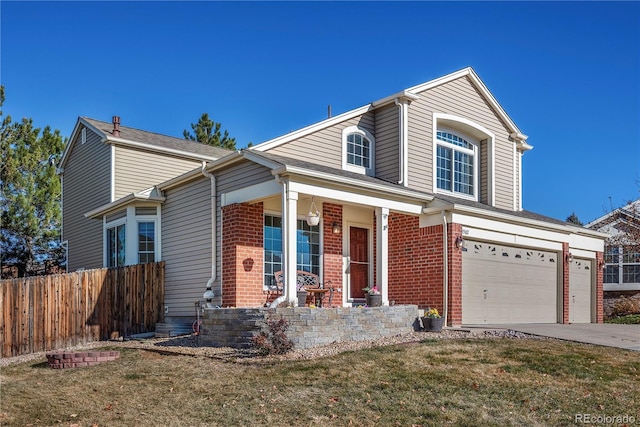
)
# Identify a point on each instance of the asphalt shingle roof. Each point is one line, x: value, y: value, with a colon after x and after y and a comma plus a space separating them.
x: 159, y: 140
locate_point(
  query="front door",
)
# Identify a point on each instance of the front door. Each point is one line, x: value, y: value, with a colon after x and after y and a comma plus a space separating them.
x: 359, y: 267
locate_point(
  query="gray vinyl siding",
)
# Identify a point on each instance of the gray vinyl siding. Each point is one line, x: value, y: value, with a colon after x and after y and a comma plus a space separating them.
x: 138, y: 170
x: 87, y: 185
x: 459, y: 98
x: 186, y: 245
x: 325, y: 146
x: 242, y: 175
x: 387, y: 144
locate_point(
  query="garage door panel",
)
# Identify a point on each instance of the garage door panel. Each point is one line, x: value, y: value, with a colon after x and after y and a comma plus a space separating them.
x: 502, y: 284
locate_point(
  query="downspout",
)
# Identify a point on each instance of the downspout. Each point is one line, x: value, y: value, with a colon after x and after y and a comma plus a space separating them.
x: 446, y: 267
x: 208, y: 295
x: 282, y: 298
x: 400, y: 142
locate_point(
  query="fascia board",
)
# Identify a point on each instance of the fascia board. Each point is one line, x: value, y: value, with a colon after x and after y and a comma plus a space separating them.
x: 74, y: 135
x: 261, y: 160
x: 129, y: 143
x: 405, y: 94
x: 267, y: 145
x: 352, y: 182
x: 355, y: 197
x: 123, y: 201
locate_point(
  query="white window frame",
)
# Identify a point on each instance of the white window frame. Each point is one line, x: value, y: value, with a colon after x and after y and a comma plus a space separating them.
x: 320, y: 243
x: 472, y: 152
x: 372, y: 151
x: 130, y: 221
x: 475, y: 134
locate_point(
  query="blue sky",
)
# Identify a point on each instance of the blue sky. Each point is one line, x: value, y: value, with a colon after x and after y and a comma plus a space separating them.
x: 568, y: 74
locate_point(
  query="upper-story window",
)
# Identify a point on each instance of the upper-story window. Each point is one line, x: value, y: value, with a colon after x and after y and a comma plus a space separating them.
x: 455, y: 163
x: 358, y: 150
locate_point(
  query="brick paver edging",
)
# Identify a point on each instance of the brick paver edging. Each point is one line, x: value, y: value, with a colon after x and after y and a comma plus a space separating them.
x: 63, y: 360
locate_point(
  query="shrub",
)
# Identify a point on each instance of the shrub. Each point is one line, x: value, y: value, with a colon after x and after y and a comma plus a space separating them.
x: 275, y: 341
x: 624, y: 306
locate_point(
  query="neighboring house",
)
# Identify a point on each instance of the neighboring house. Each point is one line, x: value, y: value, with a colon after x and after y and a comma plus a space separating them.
x: 622, y: 261
x: 419, y: 193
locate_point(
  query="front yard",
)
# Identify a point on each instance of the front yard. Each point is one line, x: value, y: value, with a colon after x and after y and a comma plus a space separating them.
x: 486, y: 382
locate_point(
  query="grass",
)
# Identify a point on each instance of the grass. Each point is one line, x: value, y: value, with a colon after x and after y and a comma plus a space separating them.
x: 631, y: 319
x: 498, y: 382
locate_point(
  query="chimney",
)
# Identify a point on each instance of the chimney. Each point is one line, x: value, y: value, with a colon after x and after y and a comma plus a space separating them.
x: 116, y: 126
x: 329, y: 111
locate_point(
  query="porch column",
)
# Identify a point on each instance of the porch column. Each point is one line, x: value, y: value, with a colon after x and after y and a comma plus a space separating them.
x: 382, y: 255
x: 289, y: 218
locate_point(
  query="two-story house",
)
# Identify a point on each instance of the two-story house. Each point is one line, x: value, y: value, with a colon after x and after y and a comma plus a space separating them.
x: 419, y: 193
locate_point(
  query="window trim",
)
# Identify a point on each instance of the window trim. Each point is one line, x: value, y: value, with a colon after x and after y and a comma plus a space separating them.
x: 475, y: 134
x: 474, y: 151
x: 298, y: 218
x: 372, y: 150
x: 110, y: 226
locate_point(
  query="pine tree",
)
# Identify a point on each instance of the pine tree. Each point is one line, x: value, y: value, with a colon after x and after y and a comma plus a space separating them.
x: 29, y: 193
x: 208, y: 132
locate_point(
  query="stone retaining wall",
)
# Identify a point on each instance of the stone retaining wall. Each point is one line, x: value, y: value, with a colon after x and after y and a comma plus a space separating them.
x: 308, y: 327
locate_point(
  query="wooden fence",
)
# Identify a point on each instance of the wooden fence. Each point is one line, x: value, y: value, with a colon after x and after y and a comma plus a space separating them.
x: 51, y: 312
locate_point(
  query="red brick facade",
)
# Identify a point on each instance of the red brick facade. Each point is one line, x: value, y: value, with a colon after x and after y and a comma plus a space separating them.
x: 332, y: 247
x: 565, y: 283
x: 599, y: 287
x: 242, y: 255
x: 416, y: 268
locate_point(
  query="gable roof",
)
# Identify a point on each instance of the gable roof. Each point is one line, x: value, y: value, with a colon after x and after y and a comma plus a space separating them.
x: 410, y: 94
x: 629, y: 215
x: 142, y: 139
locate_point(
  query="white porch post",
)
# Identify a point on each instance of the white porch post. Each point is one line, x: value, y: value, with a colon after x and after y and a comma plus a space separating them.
x: 289, y: 230
x: 382, y: 257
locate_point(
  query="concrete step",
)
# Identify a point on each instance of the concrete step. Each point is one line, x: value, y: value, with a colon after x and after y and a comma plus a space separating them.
x: 173, y: 329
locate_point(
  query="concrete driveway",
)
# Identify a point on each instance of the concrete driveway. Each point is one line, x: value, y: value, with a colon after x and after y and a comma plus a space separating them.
x: 607, y: 334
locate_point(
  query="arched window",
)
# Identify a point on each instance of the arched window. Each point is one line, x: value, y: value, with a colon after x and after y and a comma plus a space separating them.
x: 455, y: 163
x: 358, y: 149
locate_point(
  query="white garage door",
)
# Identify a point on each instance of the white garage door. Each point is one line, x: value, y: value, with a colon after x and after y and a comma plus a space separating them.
x: 580, y: 291
x: 504, y: 284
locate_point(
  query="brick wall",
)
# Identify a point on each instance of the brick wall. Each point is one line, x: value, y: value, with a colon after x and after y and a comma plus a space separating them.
x: 416, y: 269
x: 565, y: 283
x: 454, y: 315
x: 599, y: 287
x: 308, y: 327
x: 332, y: 243
x: 242, y: 255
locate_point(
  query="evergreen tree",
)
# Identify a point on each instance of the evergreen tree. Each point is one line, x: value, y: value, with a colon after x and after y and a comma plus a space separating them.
x: 29, y: 193
x: 208, y: 132
x: 573, y: 219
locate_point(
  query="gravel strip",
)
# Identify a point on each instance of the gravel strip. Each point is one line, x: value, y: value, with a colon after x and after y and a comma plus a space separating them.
x: 189, y: 345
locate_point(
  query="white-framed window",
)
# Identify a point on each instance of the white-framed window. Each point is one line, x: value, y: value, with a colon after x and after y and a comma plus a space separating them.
x: 146, y: 242
x: 307, y: 247
x: 456, y: 163
x: 622, y: 265
x: 358, y: 150
x: 132, y: 236
x: 116, y: 244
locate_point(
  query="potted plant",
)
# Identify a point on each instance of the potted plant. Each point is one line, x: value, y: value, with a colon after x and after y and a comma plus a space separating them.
x: 372, y: 296
x: 432, y: 321
x: 302, y: 295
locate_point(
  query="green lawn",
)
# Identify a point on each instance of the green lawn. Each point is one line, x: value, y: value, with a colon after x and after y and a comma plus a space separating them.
x: 488, y: 382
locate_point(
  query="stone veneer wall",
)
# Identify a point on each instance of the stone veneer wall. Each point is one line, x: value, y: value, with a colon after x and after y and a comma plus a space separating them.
x: 308, y: 327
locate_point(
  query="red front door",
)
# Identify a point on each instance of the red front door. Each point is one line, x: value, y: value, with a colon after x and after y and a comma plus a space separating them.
x: 359, y: 267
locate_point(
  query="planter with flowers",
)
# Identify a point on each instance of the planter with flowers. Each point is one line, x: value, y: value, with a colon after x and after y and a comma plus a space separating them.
x: 432, y: 321
x: 372, y: 296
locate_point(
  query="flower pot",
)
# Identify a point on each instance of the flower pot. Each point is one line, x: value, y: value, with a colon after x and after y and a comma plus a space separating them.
x: 373, y: 300
x: 432, y: 324
x: 302, y: 298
